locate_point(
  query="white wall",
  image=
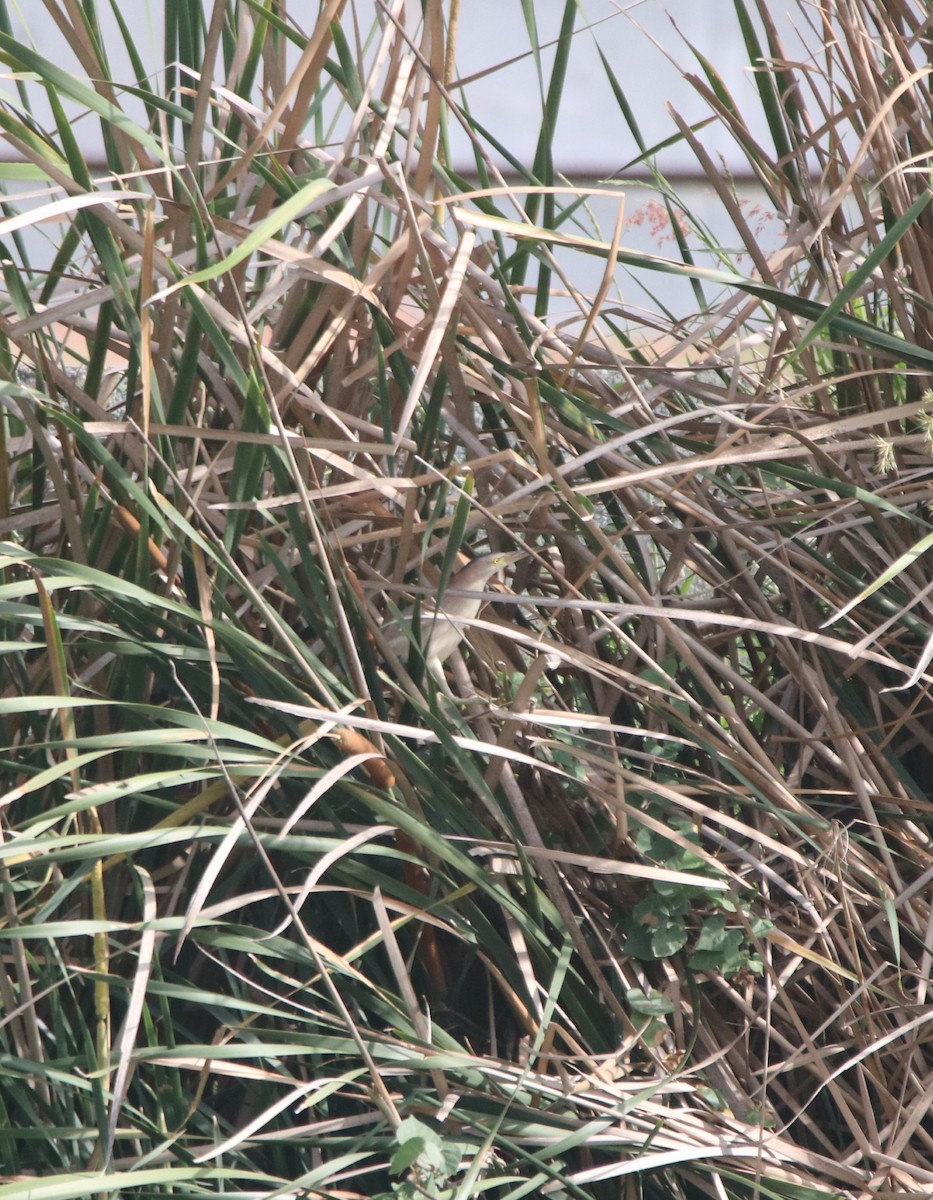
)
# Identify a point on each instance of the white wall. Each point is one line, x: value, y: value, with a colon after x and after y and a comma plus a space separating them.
x: 638, y: 39
x: 641, y: 41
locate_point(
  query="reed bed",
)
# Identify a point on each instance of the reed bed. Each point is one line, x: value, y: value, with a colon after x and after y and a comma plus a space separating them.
x: 645, y: 910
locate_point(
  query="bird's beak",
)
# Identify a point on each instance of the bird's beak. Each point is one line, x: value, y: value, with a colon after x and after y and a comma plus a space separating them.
x: 510, y: 556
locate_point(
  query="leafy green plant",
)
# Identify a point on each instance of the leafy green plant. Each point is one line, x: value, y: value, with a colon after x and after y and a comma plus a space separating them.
x: 431, y: 1161
x: 662, y: 923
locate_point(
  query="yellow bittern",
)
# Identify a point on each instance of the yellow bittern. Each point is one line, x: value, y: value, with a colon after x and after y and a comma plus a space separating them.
x: 444, y: 626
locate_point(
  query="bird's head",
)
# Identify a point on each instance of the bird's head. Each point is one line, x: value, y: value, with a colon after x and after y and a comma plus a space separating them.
x: 445, y: 621
x: 476, y: 574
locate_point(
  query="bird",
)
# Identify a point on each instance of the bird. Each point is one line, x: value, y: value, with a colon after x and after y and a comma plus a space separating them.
x: 443, y: 626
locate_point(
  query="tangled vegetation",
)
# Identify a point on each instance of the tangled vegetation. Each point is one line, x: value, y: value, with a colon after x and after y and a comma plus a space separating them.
x: 645, y: 910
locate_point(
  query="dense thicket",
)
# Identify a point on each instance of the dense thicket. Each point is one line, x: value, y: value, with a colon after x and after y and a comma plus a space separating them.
x: 647, y: 906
